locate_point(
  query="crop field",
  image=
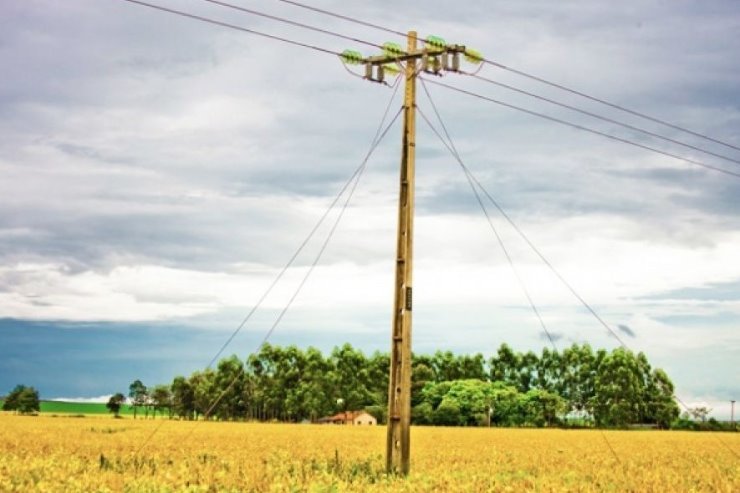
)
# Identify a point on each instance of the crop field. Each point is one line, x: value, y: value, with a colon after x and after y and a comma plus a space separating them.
x: 52, y: 454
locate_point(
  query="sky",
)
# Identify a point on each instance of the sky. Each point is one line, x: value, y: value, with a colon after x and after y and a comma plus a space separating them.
x: 157, y: 173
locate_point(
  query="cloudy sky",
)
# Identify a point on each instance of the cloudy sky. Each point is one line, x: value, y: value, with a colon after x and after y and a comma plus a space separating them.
x: 156, y: 173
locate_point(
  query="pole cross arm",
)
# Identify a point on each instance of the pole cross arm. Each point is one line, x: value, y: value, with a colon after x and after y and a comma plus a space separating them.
x: 434, y: 60
x: 413, y: 55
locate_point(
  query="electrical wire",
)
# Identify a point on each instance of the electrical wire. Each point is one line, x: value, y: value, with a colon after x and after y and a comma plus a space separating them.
x: 315, y: 262
x: 343, y: 17
x: 600, y: 117
x: 531, y: 245
x: 585, y: 129
x: 520, y: 73
x: 300, y: 248
x: 232, y: 26
x: 379, y: 135
x: 490, y: 62
x: 500, y: 241
x: 453, y: 149
x: 607, y: 103
x: 292, y: 23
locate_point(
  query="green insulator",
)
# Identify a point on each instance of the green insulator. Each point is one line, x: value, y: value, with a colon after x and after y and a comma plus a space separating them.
x: 392, y: 49
x: 351, y: 57
x: 473, y: 56
x: 391, y: 68
x: 436, y: 41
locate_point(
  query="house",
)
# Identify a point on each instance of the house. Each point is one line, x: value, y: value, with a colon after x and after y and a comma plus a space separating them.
x: 350, y: 418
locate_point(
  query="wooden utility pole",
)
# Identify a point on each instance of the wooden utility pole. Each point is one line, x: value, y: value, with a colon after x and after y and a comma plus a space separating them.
x: 436, y: 58
x: 399, y: 395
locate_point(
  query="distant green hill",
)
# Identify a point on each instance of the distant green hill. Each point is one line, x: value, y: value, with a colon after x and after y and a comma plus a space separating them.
x: 60, y: 407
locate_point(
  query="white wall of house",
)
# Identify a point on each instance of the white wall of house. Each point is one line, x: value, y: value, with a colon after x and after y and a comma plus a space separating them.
x: 365, y: 419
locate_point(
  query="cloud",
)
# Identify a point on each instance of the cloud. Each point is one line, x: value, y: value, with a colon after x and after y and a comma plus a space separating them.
x: 99, y: 399
x: 626, y: 330
x: 553, y: 336
x: 157, y: 169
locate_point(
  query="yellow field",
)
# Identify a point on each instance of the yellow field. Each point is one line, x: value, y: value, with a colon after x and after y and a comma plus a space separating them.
x: 99, y: 454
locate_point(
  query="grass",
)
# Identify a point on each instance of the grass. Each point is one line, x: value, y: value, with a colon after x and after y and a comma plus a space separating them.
x: 60, y: 407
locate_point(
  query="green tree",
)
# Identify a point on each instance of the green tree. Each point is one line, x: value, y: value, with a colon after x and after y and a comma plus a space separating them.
x: 504, y: 405
x: 350, y: 378
x: 379, y: 364
x: 422, y: 414
x: 421, y: 375
x: 549, y: 371
x: 446, y: 366
x: 663, y: 409
x: 578, y: 365
x: 23, y: 400
x: 618, y: 390
x: 311, y: 393
x: 11, y: 400
x: 183, y: 398
x: 447, y: 413
x: 114, y: 404
x: 137, y: 392
x: 504, y: 366
x: 541, y: 408
x: 161, y: 398
x: 28, y: 401
x: 473, y: 397
x: 229, y: 386
x: 205, y: 393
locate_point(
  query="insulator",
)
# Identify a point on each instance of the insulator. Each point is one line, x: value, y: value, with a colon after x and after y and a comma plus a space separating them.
x: 425, y: 62
x: 436, y: 65
x: 380, y: 74
x: 391, y: 68
x: 445, y: 61
x: 351, y: 57
x: 368, y: 71
x: 436, y: 41
x: 456, y: 62
x: 473, y: 56
x: 392, y: 49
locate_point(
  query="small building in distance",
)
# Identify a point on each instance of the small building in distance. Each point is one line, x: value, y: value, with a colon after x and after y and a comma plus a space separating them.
x: 350, y: 418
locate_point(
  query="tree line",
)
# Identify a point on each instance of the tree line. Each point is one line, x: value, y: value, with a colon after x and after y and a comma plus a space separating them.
x: 591, y: 387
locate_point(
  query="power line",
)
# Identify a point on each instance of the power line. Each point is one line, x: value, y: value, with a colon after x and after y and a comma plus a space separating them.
x: 453, y: 149
x: 531, y: 245
x: 585, y: 129
x: 355, y: 177
x: 345, y: 17
x: 600, y: 117
x: 607, y: 103
x: 471, y: 177
x: 317, y: 258
x: 292, y: 22
x: 520, y: 73
x: 305, y: 241
x: 232, y: 26
x: 496, y: 64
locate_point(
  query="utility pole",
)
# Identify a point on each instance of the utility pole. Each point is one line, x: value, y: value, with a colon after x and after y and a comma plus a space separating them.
x: 435, y: 58
x: 732, y: 414
x: 398, y: 446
